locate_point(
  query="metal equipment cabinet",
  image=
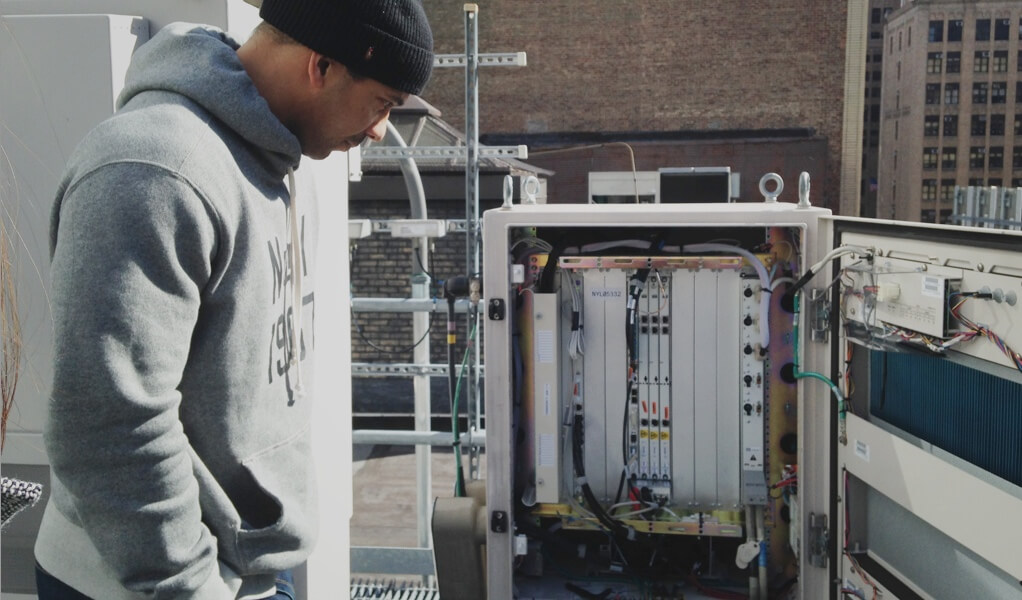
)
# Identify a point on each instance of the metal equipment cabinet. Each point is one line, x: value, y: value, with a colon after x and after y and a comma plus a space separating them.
x: 859, y: 438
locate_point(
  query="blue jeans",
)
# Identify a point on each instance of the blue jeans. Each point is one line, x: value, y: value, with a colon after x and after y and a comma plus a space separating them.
x: 51, y: 588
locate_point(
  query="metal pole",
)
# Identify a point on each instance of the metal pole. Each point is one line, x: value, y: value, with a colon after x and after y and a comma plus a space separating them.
x: 408, y: 438
x: 402, y: 305
x: 472, y: 216
x: 420, y: 354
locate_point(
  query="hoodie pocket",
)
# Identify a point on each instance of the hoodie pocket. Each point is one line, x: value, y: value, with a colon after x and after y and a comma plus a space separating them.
x: 279, y: 507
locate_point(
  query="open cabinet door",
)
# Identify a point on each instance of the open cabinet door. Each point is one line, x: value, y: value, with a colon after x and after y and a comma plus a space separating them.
x: 926, y: 469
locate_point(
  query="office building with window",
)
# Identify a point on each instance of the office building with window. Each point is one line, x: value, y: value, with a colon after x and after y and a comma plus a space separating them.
x: 951, y: 108
x: 879, y: 11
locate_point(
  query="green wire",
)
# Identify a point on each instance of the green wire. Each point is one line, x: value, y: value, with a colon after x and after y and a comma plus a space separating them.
x: 842, y: 406
x: 459, y: 477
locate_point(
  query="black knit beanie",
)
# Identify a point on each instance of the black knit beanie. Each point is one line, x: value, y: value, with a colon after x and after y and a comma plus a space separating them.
x: 386, y: 40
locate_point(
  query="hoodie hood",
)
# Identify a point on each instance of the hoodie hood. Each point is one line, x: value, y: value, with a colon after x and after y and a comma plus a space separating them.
x: 201, y: 63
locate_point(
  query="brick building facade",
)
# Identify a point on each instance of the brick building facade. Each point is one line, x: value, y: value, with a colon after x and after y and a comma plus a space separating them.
x: 661, y: 66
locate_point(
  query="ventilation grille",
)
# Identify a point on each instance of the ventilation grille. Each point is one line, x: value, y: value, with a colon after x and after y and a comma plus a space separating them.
x: 973, y: 415
x: 392, y: 590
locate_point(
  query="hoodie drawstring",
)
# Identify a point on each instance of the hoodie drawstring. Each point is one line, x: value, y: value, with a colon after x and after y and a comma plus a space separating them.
x: 296, y: 281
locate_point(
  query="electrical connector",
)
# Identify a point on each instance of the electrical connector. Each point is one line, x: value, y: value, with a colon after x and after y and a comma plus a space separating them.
x: 888, y: 292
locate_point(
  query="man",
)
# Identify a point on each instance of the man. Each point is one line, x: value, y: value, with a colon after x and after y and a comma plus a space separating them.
x: 183, y: 264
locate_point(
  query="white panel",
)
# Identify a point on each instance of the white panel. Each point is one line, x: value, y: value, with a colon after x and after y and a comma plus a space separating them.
x: 706, y: 341
x: 729, y: 402
x: 604, y: 378
x: 52, y: 94
x: 593, y: 387
x: 235, y: 16
x: 615, y: 380
x: 683, y: 335
x: 968, y: 509
x: 331, y: 427
x: 546, y: 397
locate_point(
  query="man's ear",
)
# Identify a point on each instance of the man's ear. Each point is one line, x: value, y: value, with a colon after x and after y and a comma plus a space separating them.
x: 317, y: 67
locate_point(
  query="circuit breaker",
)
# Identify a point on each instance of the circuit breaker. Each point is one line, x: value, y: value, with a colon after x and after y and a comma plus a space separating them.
x: 691, y: 401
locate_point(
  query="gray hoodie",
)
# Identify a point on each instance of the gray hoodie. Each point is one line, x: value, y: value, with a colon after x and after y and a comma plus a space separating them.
x: 178, y: 434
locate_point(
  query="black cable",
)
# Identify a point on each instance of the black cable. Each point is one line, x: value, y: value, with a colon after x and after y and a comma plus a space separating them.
x: 361, y: 334
x: 358, y: 326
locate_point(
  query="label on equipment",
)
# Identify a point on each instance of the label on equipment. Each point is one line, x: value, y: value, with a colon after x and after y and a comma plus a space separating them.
x: 547, y: 449
x: 862, y: 450
x: 601, y: 293
x: 547, y: 392
x: 545, y: 346
x: 932, y: 286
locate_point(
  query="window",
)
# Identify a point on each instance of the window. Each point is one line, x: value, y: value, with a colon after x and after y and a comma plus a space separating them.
x: 1016, y: 158
x: 1001, y: 29
x: 994, y: 181
x: 876, y: 35
x: 1018, y: 92
x: 977, y: 157
x: 934, y: 62
x: 930, y: 158
x: 891, y: 49
x: 996, y: 124
x: 981, y: 62
x: 950, y: 125
x: 975, y: 181
x: 996, y: 157
x: 1018, y: 124
x: 947, y: 190
x: 929, y: 190
x: 1019, y: 61
x: 936, y: 33
x: 878, y: 57
x: 1000, y: 61
x: 931, y: 125
x: 909, y: 43
x: 876, y: 92
x: 874, y: 113
x: 877, y: 75
x: 982, y: 30
x: 954, y: 62
x: 899, y: 40
x: 1017, y: 182
x: 874, y: 16
x: 949, y: 157
x: 979, y: 125
x: 998, y: 92
x: 980, y: 91
x: 1020, y: 29
x: 933, y: 93
x: 954, y: 30
x: 950, y: 93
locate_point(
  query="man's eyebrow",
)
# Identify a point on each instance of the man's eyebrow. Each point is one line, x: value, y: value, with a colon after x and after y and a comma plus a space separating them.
x: 396, y: 100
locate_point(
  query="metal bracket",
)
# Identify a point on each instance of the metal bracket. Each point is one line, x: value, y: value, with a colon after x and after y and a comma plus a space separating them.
x: 489, y: 59
x: 498, y: 521
x: 452, y: 152
x: 818, y: 311
x: 400, y: 370
x: 819, y: 537
x: 496, y: 309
